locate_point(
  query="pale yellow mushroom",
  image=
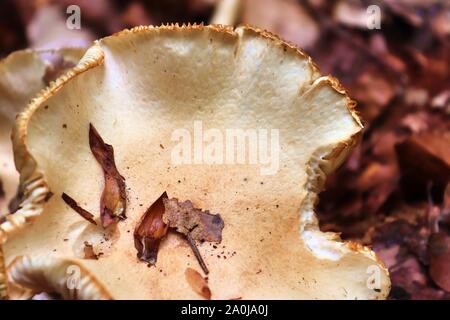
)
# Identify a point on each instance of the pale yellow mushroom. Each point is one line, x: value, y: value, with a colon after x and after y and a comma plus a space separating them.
x: 23, y: 74
x: 144, y: 89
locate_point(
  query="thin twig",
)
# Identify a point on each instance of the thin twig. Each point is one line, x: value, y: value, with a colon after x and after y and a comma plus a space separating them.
x: 197, y: 253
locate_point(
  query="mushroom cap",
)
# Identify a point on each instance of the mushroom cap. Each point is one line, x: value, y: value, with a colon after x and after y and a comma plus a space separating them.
x: 22, y: 75
x: 141, y: 88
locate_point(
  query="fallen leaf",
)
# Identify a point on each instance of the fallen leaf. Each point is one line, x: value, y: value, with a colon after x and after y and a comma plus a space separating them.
x: 198, y: 283
x: 200, y: 225
x: 113, y: 201
x: 440, y: 259
x: 416, y: 97
x: 416, y: 122
x: 423, y: 158
x: 375, y: 89
x: 149, y: 232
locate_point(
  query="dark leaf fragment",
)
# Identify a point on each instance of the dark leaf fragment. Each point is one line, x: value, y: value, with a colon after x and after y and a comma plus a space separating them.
x: 74, y: 205
x: 423, y: 158
x: 440, y: 259
x: 150, y: 231
x: 194, y: 223
x: 200, y: 225
x: 113, y: 200
x: 2, y: 196
x: 89, y: 251
x: 2, y: 192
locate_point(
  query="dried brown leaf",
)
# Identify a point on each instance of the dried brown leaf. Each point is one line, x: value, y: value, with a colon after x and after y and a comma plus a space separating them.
x: 150, y: 230
x: 198, y: 283
x: 439, y: 244
x: 200, y: 225
x: 423, y: 158
x: 113, y: 201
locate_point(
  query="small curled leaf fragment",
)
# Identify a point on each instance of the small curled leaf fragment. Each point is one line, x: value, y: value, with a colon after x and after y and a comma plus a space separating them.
x: 198, y: 283
x: 149, y: 232
x: 200, y: 225
x: 82, y: 212
x: 113, y: 200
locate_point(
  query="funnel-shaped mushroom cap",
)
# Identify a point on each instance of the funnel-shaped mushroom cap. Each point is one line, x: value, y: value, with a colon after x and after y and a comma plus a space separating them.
x: 22, y: 75
x: 151, y: 92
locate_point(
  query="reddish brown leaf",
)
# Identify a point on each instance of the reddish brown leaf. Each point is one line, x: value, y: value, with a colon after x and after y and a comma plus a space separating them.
x: 74, y: 205
x: 423, y: 158
x: 440, y: 259
x: 113, y: 201
x: 197, y: 283
x: 150, y: 230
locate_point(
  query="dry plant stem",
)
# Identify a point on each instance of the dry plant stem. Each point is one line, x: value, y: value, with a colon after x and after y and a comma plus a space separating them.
x: 197, y: 253
x: 226, y: 12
